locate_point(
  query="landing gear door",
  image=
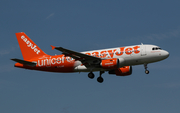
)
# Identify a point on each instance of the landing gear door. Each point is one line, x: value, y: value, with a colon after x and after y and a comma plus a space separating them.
x: 143, y: 50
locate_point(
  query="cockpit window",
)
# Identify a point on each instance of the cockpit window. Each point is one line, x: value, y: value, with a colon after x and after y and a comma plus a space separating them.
x: 156, y: 48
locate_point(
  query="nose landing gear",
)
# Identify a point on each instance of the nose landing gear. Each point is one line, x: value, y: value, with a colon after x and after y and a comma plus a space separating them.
x: 146, y: 71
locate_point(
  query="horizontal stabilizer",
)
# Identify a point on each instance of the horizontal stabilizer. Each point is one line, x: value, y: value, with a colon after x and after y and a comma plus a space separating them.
x: 32, y: 64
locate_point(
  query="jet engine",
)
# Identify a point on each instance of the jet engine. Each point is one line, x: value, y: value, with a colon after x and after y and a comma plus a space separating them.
x: 113, y: 63
x: 123, y: 71
x: 110, y: 63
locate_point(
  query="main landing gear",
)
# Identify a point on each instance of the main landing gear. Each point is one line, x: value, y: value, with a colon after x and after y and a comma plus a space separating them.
x: 91, y: 75
x: 146, y: 71
x: 99, y: 79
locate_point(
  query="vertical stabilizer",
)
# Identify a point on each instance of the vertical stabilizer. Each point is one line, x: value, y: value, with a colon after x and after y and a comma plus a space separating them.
x: 28, y: 48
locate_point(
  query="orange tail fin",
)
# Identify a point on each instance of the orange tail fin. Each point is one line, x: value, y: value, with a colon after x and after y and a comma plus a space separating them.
x: 28, y: 48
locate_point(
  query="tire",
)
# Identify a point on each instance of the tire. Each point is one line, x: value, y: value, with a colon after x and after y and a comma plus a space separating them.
x: 91, y: 75
x: 100, y: 79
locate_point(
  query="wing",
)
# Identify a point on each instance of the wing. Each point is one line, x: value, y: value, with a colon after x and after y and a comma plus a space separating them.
x: 86, y: 60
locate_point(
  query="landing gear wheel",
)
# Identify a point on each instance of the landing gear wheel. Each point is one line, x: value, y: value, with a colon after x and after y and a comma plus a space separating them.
x: 100, y: 79
x: 147, y: 72
x: 91, y: 75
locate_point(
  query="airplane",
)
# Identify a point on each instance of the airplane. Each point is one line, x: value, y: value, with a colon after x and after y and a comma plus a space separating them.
x: 117, y: 61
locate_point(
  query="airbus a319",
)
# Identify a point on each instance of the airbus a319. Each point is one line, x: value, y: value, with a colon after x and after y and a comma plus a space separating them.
x: 117, y: 61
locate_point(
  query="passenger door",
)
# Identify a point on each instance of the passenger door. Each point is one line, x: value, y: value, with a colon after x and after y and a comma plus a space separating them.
x: 143, y: 50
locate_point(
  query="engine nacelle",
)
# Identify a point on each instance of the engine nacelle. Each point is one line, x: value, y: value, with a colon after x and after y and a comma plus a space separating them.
x: 110, y: 63
x: 113, y: 63
x: 123, y: 71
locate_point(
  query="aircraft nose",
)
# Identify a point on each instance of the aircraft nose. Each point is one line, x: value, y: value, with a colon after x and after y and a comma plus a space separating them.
x: 165, y: 54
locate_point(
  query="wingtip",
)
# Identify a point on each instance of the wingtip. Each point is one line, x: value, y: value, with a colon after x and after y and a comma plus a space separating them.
x: 13, y: 59
x: 53, y: 47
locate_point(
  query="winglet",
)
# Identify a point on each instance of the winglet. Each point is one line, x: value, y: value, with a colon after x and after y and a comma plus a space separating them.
x: 53, y: 47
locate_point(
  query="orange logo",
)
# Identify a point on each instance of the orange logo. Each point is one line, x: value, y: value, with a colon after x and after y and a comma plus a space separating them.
x: 115, y: 52
x: 29, y: 44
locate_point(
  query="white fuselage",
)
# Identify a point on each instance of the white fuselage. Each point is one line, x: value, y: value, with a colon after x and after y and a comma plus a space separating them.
x: 129, y: 55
